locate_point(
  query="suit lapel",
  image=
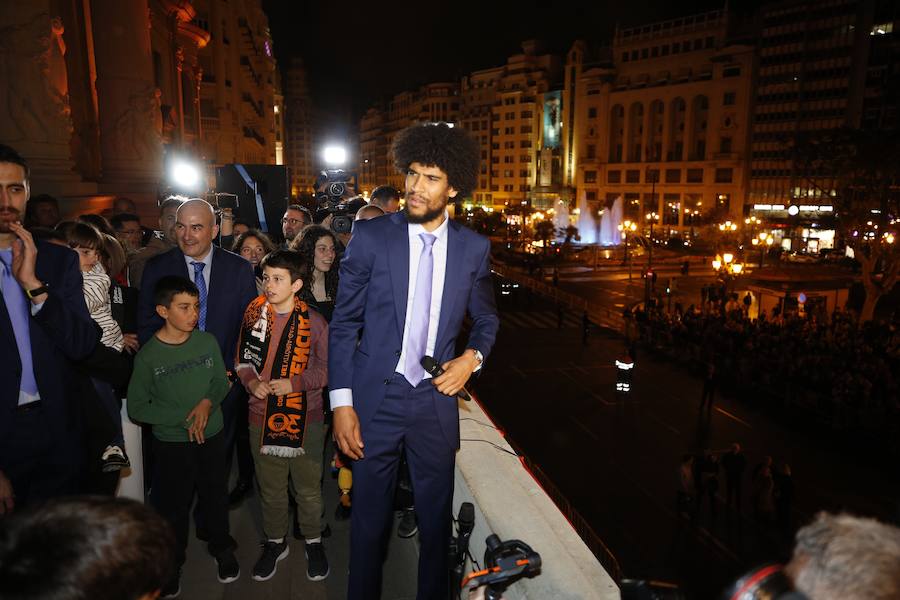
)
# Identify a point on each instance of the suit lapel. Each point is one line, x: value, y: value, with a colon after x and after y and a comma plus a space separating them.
x: 451, y: 280
x: 398, y: 259
x: 217, y: 280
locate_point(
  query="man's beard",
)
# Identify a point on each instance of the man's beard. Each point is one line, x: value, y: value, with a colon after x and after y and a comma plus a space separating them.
x: 8, y: 215
x: 429, y: 215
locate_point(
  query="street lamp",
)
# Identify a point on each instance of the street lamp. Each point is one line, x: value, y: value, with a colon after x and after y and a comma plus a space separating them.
x: 764, y: 239
x: 726, y: 268
x: 653, y: 218
x: 627, y: 226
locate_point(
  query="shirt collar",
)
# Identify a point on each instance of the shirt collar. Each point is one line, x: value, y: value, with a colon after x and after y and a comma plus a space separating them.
x: 440, y: 233
x: 206, y: 260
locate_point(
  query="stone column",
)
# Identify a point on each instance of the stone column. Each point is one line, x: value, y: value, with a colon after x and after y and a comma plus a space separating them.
x: 35, y: 116
x: 130, y: 139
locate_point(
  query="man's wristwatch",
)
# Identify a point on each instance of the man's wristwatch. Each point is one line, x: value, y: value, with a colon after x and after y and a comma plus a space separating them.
x: 32, y: 294
x: 478, y: 355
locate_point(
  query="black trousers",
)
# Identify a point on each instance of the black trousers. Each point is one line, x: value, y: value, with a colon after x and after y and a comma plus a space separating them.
x: 180, y: 469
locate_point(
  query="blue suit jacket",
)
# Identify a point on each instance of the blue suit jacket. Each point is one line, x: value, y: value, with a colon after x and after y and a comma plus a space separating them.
x: 371, y: 303
x: 231, y: 288
x: 61, y: 331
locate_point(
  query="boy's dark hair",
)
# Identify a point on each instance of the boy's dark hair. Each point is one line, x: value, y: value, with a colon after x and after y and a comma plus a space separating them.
x: 82, y: 235
x: 286, y: 259
x: 451, y: 149
x: 168, y: 286
x: 118, y: 221
x: 241, y: 221
x: 9, y: 155
x: 85, y: 548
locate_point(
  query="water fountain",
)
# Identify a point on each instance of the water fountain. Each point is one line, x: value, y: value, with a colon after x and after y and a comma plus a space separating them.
x: 609, y: 224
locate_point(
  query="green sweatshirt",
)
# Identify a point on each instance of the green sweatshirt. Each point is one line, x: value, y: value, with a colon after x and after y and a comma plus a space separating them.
x: 170, y: 379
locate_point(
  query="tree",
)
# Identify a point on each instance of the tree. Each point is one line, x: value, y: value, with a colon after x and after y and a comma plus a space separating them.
x: 545, y: 231
x: 860, y: 171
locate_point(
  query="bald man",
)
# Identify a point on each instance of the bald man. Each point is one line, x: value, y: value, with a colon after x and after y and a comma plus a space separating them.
x: 369, y: 211
x: 225, y: 281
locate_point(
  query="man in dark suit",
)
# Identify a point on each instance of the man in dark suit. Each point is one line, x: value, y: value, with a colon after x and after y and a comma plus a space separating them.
x: 406, y: 282
x: 44, y: 323
x: 226, y: 285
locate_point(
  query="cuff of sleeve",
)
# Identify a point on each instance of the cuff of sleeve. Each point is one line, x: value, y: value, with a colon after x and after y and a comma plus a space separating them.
x: 340, y: 397
x: 36, y: 308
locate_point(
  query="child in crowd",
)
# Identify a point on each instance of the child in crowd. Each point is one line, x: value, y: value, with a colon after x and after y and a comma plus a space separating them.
x: 282, y: 361
x: 88, y: 243
x: 177, y: 387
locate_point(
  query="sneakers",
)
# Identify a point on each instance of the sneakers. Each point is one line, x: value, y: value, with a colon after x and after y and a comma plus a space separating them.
x: 173, y: 588
x: 228, y: 568
x: 407, y: 527
x: 316, y: 563
x: 114, y: 459
x: 272, y: 552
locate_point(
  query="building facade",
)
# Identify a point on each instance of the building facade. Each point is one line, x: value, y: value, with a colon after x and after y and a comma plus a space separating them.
x: 100, y: 93
x: 504, y: 108
x: 430, y: 103
x: 661, y: 119
x: 298, y: 117
x: 821, y: 66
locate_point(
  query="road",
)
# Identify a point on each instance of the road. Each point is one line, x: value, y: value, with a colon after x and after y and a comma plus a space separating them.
x: 616, y: 461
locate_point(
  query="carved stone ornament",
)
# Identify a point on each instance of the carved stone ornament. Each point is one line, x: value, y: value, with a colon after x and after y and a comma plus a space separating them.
x: 34, y: 95
x: 137, y: 128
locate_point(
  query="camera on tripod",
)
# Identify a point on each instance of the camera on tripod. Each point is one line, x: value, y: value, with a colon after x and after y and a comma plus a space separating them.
x: 335, y: 189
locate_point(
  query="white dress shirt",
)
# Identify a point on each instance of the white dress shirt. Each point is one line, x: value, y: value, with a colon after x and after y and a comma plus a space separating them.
x: 344, y: 396
x: 207, y: 270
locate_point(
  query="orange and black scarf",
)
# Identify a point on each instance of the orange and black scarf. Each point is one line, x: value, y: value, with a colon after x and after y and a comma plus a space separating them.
x: 285, y: 416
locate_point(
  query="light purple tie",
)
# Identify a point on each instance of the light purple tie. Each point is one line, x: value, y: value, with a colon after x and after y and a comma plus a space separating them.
x: 421, y: 314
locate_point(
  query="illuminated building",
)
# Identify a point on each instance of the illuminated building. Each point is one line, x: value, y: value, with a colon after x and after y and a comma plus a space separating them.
x: 822, y: 66
x: 100, y: 91
x: 298, y: 128
x: 661, y: 119
x: 430, y: 103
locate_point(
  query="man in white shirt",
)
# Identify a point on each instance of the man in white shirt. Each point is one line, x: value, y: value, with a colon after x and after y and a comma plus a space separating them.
x: 407, y: 281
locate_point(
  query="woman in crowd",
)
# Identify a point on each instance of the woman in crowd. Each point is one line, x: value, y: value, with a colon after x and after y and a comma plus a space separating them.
x: 318, y: 248
x: 253, y: 245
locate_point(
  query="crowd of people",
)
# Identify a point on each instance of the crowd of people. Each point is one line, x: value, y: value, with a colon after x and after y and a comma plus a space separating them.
x: 216, y: 337
x: 834, y: 368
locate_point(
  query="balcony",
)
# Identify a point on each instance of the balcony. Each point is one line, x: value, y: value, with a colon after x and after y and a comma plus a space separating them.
x: 508, y: 500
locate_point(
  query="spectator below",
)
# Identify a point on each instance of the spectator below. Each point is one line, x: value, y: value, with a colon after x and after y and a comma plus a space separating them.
x: 842, y: 557
x: 85, y: 548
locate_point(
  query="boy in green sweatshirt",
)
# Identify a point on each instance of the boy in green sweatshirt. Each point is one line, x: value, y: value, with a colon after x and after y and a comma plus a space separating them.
x: 177, y: 387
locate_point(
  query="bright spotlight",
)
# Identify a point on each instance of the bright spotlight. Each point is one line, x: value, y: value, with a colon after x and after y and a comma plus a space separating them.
x: 334, y: 156
x: 184, y: 175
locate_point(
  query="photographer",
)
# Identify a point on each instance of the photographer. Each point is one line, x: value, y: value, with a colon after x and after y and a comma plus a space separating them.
x: 163, y: 240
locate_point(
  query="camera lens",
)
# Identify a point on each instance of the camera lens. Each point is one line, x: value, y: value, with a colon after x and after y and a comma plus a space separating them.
x: 336, y: 189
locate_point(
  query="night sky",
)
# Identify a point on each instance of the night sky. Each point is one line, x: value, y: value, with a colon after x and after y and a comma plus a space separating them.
x: 357, y: 53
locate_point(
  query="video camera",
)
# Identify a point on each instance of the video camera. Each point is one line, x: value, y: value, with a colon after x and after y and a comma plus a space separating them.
x: 335, y: 189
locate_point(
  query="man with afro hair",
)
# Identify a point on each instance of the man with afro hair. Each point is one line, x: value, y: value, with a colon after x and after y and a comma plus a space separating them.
x: 407, y: 281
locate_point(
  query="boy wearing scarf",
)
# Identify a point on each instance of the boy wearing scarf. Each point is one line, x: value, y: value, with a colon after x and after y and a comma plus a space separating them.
x: 282, y: 361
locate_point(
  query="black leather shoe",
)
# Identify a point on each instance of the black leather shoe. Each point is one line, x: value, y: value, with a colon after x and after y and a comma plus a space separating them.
x: 241, y: 490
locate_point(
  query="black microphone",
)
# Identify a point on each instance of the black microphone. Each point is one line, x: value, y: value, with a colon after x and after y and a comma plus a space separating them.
x: 434, y: 369
x: 466, y: 521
